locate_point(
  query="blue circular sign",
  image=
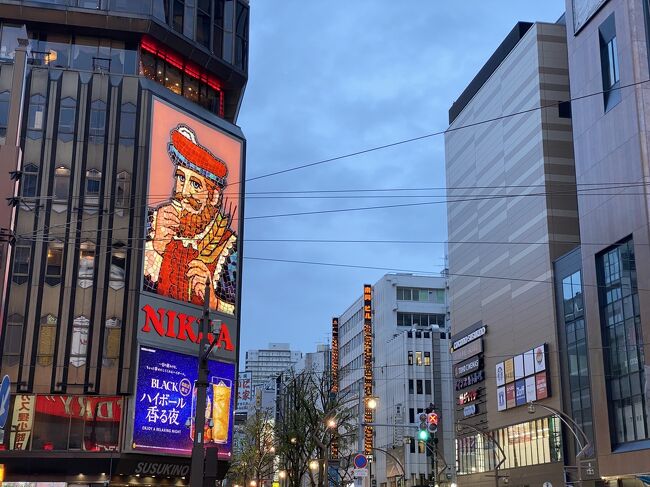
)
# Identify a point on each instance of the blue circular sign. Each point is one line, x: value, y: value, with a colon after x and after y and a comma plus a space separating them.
x: 5, y: 391
x: 360, y: 461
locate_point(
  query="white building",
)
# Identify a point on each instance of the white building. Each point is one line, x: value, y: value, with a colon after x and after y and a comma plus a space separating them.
x: 411, y: 369
x: 268, y: 363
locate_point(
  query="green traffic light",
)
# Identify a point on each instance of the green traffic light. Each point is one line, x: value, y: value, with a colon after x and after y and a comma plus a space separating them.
x: 423, y: 435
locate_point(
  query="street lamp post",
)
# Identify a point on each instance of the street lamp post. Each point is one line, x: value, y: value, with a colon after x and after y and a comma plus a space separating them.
x: 459, y: 427
x: 573, y: 427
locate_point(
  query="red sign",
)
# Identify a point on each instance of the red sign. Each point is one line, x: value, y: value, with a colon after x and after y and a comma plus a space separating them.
x: 510, y: 395
x: 432, y: 418
x: 541, y: 385
x: 96, y: 408
x: 467, y: 397
x: 180, y: 326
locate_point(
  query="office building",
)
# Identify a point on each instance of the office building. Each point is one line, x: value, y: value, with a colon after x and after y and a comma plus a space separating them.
x: 605, y: 301
x: 392, y: 344
x: 118, y: 131
x: 266, y: 364
x: 504, y: 237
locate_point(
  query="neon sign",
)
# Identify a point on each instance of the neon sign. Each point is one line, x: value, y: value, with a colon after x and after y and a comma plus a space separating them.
x: 367, y: 362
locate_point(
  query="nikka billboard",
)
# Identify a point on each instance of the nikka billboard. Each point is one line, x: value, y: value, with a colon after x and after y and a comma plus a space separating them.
x: 192, y: 230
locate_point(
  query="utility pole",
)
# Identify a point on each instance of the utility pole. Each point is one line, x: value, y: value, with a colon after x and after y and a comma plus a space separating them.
x: 198, y: 450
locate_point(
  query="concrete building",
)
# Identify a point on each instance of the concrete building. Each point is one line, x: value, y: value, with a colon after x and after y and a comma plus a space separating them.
x: 520, y: 218
x: 605, y: 304
x: 112, y: 112
x: 266, y: 364
x: 407, y: 364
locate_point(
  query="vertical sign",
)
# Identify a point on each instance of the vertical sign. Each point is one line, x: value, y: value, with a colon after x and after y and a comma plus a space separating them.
x: 21, y: 425
x: 367, y: 363
x: 334, y: 447
x: 244, y: 390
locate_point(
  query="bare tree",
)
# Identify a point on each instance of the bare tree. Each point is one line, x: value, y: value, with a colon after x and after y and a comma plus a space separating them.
x: 255, y: 455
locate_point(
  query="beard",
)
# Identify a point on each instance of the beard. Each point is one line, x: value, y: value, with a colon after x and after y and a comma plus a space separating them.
x: 192, y: 224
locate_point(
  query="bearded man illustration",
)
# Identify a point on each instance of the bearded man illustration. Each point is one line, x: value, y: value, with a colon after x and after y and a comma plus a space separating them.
x: 189, y: 239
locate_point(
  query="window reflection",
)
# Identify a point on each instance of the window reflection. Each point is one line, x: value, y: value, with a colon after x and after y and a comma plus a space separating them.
x: 54, y: 264
x: 61, y: 183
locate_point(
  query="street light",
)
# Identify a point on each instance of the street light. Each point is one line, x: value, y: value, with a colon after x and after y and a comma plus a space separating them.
x: 313, y: 465
x: 253, y: 483
x: 282, y: 474
x: 372, y: 402
x: 566, y: 419
x: 294, y: 440
x: 331, y: 423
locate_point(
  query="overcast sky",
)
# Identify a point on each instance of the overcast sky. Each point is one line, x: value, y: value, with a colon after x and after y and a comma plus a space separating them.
x: 329, y: 78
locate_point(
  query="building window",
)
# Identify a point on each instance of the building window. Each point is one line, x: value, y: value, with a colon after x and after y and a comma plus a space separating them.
x: 203, y: 23
x: 67, y: 115
x: 411, y: 386
x: 29, y: 181
x: 419, y: 388
x: 427, y: 358
x: 112, y: 335
x: 217, y: 40
x: 93, y: 187
x: 127, y: 124
x: 421, y: 294
x: 178, y: 13
x: 79, y: 344
x: 427, y: 386
x: 422, y: 448
x: 22, y: 261
x: 54, y: 265
x: 13, y: 340
x: 572, y: 296
x: 420, y: 319
x: 410, y: 358
x: 411, y: 415
x: 4, y: 115
x: 241, y: 36
x: 622, y: 342
x: 46, y: 340
x: 86, y: 271
x: 97, y: 123
x: 609, y: 62
x: 412, y: 445
x: 118, y: 266
x: 61, y: 183
x: 418, y: 358
x: 122, y: 190
x: 36, y: 116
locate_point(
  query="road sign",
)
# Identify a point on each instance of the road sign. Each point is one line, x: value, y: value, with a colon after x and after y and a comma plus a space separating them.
x: 360, y: 462
x: 5, y: 390
x: 360, y: 472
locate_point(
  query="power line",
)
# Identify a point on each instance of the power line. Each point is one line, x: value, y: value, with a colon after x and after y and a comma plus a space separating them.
x: 439, y: 132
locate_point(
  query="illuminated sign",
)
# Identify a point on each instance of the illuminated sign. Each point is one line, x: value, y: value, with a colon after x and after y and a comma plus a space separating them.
x: 244, y: 390
x: 335, y: 355
x: 525, y: 377
x: 470, y: 337
x: 193, y: 210
x: 470, y: 380
x: 469, y: 350
x: 470, y: 410
x: 467, y: 397
x: 467, y: 367
x: 165, y: 403
x: 334, y: 446
x: 367, y: 365
x: 21, y: 424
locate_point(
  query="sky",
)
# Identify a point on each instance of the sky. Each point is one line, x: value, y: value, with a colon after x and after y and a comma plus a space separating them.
x: 331, y: 78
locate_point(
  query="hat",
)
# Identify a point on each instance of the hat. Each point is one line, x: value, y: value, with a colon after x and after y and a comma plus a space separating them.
x: 184, y: 150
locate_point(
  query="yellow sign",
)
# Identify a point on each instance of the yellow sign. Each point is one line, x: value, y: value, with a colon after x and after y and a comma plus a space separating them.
x: 510, y: 370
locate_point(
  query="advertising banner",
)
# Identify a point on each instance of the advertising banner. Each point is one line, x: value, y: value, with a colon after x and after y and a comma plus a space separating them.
x: 244, y: 390
x: 501, y: 399
x: 510, y: 370
x: 540, y: 358
x: 519, y: 366
x: 22, y: 421
x: 529, y: 363
x: 520, y: 392
x: 510, y: 395
x: 541, y: 385
x: 528, y: 371
x: 500, y: 374
x: 531, y: 390
x: 193, y: 210
x: 165, y: 403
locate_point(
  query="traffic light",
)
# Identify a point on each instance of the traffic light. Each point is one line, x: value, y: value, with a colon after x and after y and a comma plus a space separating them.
x: 423, y: 431
x: 432, y: 422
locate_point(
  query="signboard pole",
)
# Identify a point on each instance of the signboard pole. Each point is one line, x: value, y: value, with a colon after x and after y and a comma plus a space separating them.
x: 198, y: 451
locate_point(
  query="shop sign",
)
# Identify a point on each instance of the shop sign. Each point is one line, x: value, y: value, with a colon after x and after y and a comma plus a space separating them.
x: 89, y: 408
x: 541, y: 386
x: 165, y: 403
x: 540, y: 358
x: 473, y: 348
x: 519, y: 366
x: 531, y: 389
x: 520, y: 392
x: 470, y: 410
x: 470, y: 380
x: 500, y: 374
x: 510, y: 370
x: 510, y: 395
x: 244, y: 390
x: 470, y: 337
x: 501, y: 399
x: 22, y: 421
x: 467, y: 367
x: 368, y: 435
x: 467, y: 397
x: 147, y: 466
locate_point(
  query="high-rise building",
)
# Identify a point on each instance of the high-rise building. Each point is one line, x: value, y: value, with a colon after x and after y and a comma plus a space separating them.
x: 117, y: 125
x: 392, y: 344
x: 265, y: 364
x: 510, y: 140
x: 603, y: 288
